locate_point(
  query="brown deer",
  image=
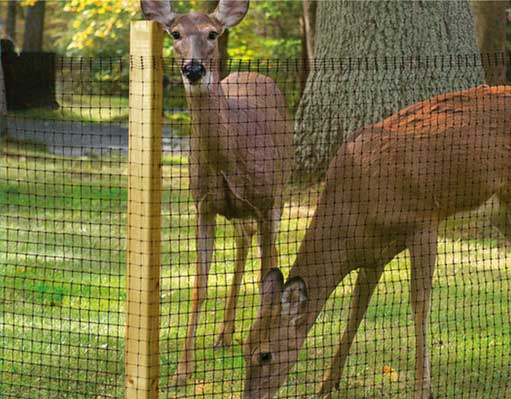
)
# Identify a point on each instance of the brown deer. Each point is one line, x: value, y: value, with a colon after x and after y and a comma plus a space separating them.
x: 387, y: 190
x: 241, y: 153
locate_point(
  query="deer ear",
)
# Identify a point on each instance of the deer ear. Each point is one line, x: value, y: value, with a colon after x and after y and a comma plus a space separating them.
x: 294, y: 300
x: 159, y: 11
x: 230, y: 12
x: 271, y: 288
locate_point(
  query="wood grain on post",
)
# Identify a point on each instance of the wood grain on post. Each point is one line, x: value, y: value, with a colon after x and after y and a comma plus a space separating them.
x: 144, y: 212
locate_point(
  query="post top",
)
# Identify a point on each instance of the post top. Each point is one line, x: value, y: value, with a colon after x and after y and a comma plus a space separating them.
x: 146, y: 38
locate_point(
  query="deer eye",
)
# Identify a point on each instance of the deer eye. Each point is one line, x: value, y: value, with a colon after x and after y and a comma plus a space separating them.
x: 212, y: 35
x: 265, y: 357
x: 175, y: 35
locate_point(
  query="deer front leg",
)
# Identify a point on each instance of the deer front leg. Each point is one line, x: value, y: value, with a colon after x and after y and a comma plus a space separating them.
x: 244, y: 231
x: 423, y: 250
x: 205, y: 242
x: 367, y: 280
x: 268, y: 228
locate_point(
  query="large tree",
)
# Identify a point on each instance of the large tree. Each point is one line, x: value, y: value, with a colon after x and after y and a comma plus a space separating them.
x: 372, y: 59
x: 490, y: 23
x: 34, y: 26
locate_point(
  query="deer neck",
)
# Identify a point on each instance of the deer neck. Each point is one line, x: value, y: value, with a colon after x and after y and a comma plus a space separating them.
x: 206, y: 101
x: 321, y: 264
x: 208, y: 108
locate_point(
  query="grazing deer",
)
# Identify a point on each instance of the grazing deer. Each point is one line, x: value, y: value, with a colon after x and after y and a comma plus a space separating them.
x: 241, y: 153
x: 388, y: 188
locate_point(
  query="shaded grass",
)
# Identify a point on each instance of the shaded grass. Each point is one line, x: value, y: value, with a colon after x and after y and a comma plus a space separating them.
x: 62, y: 290
x: 84, y: 108
x: 105, y: 109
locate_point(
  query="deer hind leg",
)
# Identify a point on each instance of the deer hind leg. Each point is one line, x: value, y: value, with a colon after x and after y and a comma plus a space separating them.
x: 501, y: 218
x: 244, y: 232
x: 423, y: 251
x: 367, y: 280
x: 205, y: 242
x: 268, y: 228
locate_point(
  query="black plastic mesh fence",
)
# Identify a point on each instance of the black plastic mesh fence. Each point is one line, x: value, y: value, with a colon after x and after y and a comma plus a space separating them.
x: 63, y: 201
x: 431, y: 179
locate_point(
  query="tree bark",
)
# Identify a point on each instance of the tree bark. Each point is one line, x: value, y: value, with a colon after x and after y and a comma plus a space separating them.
x: 10, y: 20
x: 34, y: 27
x: 490, y: 22
x: 374, y: 58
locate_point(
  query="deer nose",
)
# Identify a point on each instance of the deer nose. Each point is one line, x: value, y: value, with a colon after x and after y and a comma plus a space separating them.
x: 193, y: 71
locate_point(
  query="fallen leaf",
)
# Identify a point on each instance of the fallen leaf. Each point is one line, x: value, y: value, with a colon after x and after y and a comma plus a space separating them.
x: 202, y: 387
x: 391, y: 373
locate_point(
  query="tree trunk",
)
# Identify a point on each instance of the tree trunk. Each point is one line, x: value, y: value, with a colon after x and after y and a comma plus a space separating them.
x: 223, y: 41
x: 374, y: 58
x: 10, y: 20
x: 490, y: 22
x: 309, y: 27
x: 34, y: 27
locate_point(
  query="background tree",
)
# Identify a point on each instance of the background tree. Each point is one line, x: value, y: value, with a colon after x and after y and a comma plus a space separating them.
x: 34, y: 26
x: 490, y: 22
x: 341, y: 97
x: 3, y: 102
x: 10, y: 20
x: 309, y: 27
x: 209, y: 7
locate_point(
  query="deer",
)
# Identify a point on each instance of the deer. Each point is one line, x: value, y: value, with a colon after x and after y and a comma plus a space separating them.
x: 386, y: 190
x: 241, y: 154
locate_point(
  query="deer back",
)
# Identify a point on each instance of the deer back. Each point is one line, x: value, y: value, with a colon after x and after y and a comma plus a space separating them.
x: 428, y: 161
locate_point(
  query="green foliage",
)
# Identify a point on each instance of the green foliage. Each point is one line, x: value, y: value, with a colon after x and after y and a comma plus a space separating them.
x: 97, y: 27
x: 100, y: 28
x: 271, y: 29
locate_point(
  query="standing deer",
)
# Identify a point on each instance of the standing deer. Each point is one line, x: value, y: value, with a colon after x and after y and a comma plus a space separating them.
x: 388, y: 188
x: 241, y: 153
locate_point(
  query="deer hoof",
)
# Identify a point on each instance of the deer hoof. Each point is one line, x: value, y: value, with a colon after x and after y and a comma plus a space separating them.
x: 324, y: 395
x: 424, y: 395
x: 223, y: 340
x: 326, y: 388
x: 180, y: 379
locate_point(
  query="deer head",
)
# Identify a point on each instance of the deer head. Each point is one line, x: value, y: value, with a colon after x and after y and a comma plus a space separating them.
x: 274, y: 340
x: 195, y: 36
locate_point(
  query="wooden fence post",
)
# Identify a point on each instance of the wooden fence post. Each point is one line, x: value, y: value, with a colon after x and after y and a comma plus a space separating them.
x: 142, y: 358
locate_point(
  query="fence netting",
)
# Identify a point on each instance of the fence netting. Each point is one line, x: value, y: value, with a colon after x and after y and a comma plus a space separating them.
x: 405, y: 160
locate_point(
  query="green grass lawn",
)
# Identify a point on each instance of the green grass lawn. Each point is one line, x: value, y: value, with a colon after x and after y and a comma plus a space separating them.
x: 106, y: 109
x: 84, y: 108
x: 62, y: 282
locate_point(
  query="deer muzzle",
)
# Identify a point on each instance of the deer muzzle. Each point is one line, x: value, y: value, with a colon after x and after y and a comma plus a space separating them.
x: 194, y: 71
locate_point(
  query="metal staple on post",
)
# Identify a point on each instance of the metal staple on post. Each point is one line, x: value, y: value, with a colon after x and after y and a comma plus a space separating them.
x: 144, y: 212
